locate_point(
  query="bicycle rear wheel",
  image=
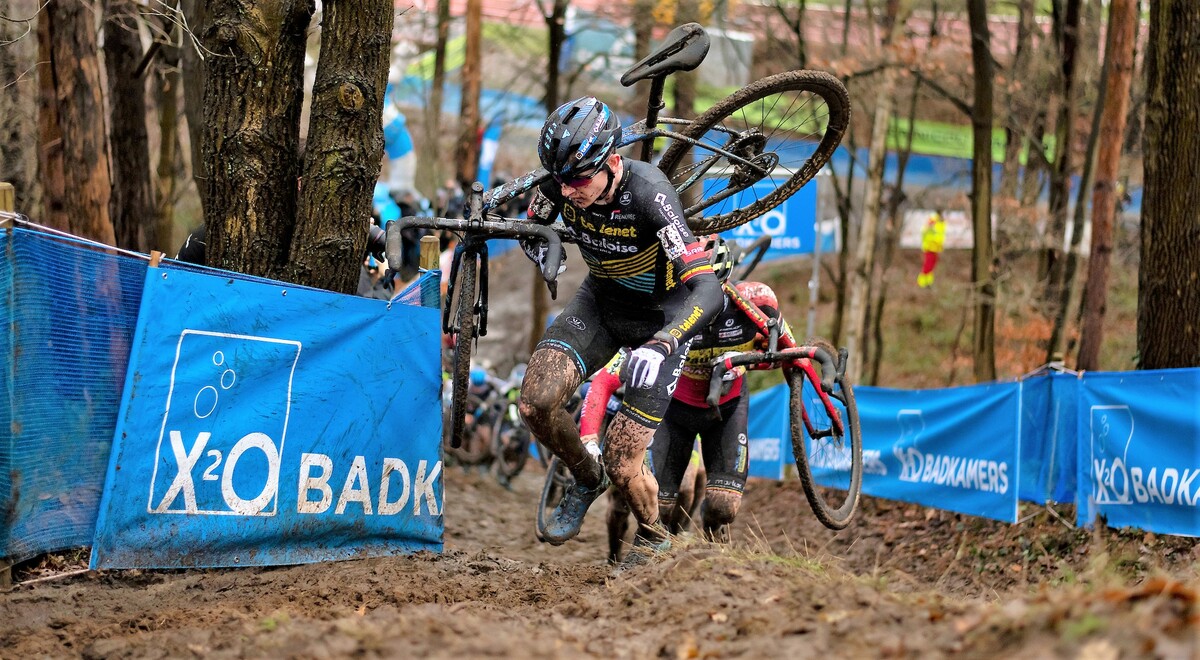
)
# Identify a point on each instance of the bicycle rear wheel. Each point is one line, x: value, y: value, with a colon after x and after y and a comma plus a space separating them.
x: 464, y: 319
x: 558, y: 480
x: 510, y: 442
x: 829, y: 467
x: 787, y: 125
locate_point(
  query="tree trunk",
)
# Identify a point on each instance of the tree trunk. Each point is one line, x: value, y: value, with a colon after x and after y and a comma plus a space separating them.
x: 643, y: 30
x: 131, y: 204
x: 196, y: 14
x: 891, y: 240
x: 167, y: 88
x: 1122, y: 36
x: 466, y: 156
x: 1014, y: 135
x: 429, y: 175
x: 1051, y: 265
x: 982, y: 273
x: 556, y: 37
x: 1168, y: 333
x: 253, y: 91
x: 344, y: 149
x: 864, y: 259
x: 72, y: 66
x: 50, y: 139
x: 18, y: 107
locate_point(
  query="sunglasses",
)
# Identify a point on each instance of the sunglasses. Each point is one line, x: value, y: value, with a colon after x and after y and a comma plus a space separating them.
x: 578, y: 181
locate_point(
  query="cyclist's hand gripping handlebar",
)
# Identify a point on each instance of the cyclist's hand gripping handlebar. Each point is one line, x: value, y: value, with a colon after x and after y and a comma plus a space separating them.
x: 723, y: 364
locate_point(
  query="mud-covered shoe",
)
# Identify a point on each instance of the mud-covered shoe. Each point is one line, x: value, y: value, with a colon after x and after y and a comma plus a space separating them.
x: 645, y: 549
x: 567, y: 518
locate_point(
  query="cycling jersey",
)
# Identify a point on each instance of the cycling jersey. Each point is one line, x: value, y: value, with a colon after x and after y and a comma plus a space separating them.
x: 736, y: 328
x: 638, y: 249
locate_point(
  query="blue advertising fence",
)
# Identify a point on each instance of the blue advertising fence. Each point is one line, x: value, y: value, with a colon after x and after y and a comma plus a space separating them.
x: 1121, y: 446
x: 237, y: 420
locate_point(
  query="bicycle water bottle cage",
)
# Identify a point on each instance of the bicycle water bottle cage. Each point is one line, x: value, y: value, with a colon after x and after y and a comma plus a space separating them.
x: 683, y: 49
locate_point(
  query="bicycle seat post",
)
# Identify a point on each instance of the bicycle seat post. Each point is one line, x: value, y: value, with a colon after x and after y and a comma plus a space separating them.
x: 654, y: 105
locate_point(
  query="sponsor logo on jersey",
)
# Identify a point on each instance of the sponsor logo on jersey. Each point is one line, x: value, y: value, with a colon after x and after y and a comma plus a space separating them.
x: 626, y: 198
x: 688, y: 323
x: 577, y: 323
x: 672, y: 241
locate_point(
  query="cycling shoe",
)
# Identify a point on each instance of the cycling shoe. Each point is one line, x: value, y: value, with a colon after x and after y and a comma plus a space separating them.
x: 646, y: 548
x: 567, y: 518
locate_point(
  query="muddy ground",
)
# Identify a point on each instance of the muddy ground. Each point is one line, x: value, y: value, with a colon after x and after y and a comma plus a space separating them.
x: 902, y: 581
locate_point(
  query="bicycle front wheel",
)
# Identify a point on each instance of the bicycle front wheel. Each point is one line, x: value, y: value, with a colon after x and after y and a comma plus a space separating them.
x: 465, y: 321
x: 830, y: 465
x: 784, y: 128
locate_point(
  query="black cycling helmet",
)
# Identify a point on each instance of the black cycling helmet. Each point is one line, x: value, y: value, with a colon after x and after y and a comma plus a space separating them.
x: 578, y: 137
x: 720, y: 257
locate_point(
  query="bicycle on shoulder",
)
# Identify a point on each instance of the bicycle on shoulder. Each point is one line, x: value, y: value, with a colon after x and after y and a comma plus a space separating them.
x: 739, y: 159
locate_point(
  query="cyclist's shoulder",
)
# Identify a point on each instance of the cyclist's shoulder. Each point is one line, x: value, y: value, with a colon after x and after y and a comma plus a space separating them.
x: 644, y: 177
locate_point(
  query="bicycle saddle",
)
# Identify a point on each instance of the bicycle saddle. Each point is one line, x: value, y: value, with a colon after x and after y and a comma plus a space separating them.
x: 683, y: 50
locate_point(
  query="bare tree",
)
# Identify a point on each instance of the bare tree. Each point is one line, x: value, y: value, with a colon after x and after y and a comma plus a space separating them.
x: 18, y: 102
x: 73, y: 116
x: 466, y: 155
x: 1118, y: 70
x: 1168, y: 334
x: 864, y: 260
x: 429, y: 175
x: 131, y: 204
x: 982, y: 274
x: 343, y: 152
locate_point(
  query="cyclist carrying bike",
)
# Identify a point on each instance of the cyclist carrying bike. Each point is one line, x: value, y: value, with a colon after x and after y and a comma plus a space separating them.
x: 723, y: 439
x: 649, y: 287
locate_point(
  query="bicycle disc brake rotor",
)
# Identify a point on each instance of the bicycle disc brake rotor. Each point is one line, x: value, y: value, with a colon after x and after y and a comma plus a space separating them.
x: 750, y: 147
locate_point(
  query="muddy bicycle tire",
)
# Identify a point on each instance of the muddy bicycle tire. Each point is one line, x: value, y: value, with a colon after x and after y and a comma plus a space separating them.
x: 738, y: 112
x: 465, y: 321
x: 838, y: 459
x: 558, y: 480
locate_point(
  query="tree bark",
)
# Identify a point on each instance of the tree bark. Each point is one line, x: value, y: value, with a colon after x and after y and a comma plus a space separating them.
x: 18, y: 104
x: 72, y: 67
x: 1051, y: 266
x: 253, y: 91
x: 167, y: 87
x: 1168, y: 333
x: 193, y: 75
x: 466, y: 157
x: 131, y: 204
x: 982, y: 273
x: 859, y: 283
x: 1122, y: 35
x: 344, y: 149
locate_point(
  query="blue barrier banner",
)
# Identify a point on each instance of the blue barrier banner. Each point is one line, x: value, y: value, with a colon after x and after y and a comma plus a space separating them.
x: 268, y: 424
x: 769, y: 432
x: 68, y: 311
x: 1049, y: 415
x: 1139, y: 453
x: 791, y: 225
x: 953, y: 449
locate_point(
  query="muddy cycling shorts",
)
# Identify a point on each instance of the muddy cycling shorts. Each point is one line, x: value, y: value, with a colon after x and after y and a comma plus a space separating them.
x: 723, y: 444
x: 590, y: 333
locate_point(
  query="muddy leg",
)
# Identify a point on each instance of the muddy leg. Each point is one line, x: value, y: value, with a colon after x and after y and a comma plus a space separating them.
x: 624, y: 455
x: 618, y: 525
x: 549, y: 381
x: 719, y: 510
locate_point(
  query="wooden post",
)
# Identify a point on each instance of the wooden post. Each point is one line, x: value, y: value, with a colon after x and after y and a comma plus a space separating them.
x: 8, y: 204
x: 430, y: 252
x: 8, y: 201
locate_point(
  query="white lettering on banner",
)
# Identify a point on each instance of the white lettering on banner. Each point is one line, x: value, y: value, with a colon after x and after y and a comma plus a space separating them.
x: 393, y: 466
x: 873, y: 462
x: 955, y: 471
x: 764, y: 449
x: 1119, y: 484
x: 357, y: 486
x: 186, y: 460
x: 308, y: 483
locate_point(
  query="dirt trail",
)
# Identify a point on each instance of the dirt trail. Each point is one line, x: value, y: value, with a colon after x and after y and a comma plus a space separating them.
x: 901, y: 582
